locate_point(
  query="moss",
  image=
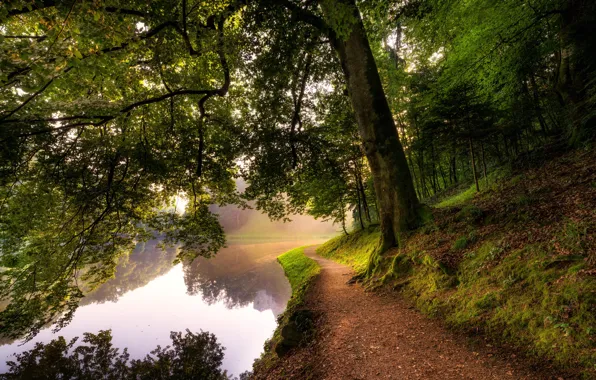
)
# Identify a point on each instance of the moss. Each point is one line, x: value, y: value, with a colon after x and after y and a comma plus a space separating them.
x: 469, y: 213
x: 460, y: 243
x: 459, y: 198
x: 515, y: 296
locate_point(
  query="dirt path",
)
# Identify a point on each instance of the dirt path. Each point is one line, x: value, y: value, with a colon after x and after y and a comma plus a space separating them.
x: 378, y: 336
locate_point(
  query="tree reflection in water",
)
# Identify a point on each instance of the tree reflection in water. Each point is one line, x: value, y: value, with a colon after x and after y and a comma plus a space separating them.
x: 241, y: 274
x: 146, y: 262
x: 237, y: 275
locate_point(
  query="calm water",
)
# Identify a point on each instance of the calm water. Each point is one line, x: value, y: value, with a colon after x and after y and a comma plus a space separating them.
x: 236, y: 295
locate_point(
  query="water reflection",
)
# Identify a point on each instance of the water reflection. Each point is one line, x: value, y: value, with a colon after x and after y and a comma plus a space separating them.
x: 146, y: 262
x: 241, y: 274
x: 235, y: 295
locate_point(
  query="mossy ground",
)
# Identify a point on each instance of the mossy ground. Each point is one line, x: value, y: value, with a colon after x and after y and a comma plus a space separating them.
x: 516, y: 262
x: 300, y: 271
x: 353, y: 249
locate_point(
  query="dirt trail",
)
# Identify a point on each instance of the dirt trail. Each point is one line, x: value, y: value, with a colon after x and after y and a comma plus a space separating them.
x: 378, y: 336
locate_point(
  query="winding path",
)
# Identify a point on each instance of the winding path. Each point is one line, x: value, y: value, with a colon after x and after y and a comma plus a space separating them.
x: 379, y: 336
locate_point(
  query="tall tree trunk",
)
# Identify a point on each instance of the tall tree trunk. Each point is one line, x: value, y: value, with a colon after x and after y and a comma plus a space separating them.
x: 537, y: 107
x: 359, y: 209
x: 484, y: 164
x: 473, y: 159
x: 454, y: 163
x: 507, y: 154
x: 398, y: 203
x: 364, y: 201
x: 442, y: 175
x: 434, y: 168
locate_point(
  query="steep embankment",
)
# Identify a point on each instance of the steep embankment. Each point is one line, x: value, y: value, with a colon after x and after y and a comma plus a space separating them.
x: 517, y: 262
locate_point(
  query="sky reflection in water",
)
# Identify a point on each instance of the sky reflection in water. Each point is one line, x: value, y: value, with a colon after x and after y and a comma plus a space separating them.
x: 236, y: 296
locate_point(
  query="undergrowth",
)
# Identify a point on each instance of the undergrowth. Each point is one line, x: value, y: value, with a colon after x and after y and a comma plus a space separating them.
x: 469, y: 193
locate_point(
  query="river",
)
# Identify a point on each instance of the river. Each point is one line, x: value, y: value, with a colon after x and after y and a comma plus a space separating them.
x: 236, y: 295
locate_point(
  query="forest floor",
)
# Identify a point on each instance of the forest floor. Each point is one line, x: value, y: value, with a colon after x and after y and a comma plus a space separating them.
x: 378, y: 335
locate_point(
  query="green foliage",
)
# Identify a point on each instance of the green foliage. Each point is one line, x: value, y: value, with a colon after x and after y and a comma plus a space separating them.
x: 192, y: 356
x: 573, y: 240
x: 460, y: 243
x: 110, y: 110
x: 99, y: 134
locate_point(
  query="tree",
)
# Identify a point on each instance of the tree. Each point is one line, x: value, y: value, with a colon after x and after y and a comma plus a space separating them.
x: 104, y: 122
x: 192, y: 356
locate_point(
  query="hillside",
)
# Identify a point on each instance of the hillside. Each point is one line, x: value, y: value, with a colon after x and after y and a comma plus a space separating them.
x: 512, y: 267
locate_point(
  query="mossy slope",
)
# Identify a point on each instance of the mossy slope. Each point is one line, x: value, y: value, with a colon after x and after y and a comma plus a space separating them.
x: 516, y: 263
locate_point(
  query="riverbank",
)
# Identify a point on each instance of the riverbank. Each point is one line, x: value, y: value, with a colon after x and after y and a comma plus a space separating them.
x: 504, y: 279
x: 295, y: 324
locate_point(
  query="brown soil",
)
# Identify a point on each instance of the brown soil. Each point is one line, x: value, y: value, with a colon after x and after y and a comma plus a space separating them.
x: 365, y: 335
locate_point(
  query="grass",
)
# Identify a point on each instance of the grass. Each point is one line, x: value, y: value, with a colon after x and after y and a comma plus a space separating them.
x: 353, y: 249
x: 459, y: 198
x: 294, y: 324
x: 299, y: 268
x: 468, y: 194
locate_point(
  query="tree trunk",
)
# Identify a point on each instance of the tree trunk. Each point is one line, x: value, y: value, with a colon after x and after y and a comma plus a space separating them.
x: 398, y: 204
x: 434, y: 168
x: 359, y: 209
x: 454, y: 163
x: 442, y: 175
x: 537, y: 107
x: 473, y: 164
x: 484, y: 164
x: 364, y: 201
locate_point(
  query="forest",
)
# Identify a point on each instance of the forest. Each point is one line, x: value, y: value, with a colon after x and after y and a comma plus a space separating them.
x: 371, y: 114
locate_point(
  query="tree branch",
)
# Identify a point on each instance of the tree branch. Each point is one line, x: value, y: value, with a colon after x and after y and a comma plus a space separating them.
x: 305, y: 16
